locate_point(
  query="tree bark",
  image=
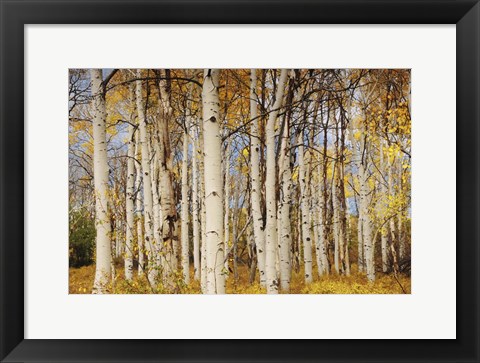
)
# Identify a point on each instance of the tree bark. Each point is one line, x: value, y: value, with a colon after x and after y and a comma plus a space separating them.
x: 185, y: 204
x: 169, y: 233
x: 138, y: 206
x: 147, y: 186
x: 285, y: 231
x: 384, y: 209
x: 203, y: 215
x: 226, y: 222
x: 306, y: 234
x: 270, y: 185
x: 130, y: 193
x: 258, y: 229
x: 368, y: 244
x: 356, y: 161
x: 195, y: 205
x: 100, y: 172
x: 213, y: 183
x: 321, y: 247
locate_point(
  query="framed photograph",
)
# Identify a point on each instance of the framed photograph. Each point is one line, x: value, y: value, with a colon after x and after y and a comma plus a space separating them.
x: 239, y: 181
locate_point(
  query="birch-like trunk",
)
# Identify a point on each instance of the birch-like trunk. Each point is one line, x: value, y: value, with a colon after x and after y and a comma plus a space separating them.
x: 324, y: 218
x: 401, y: 239
x: 195, y: 206
x: 315, y: 212
x: 339, y: 201
x: 285, y: 232
x: 393, y: 238
x: 203, y: 215
x: 152, y: 150
x: 226, y: 221
x: 213, y: 183
x: 130, y: 194
x: 361, y: 256
x: 235, y: 235
x: 336, y: 229
x: 258, y: 229
x: 384, y: 206
x: 321, y: 247
x: 138, y: 207
x: 169, y: 218
x: 344, y: 252
x: 368, y: 244
x: 306, y: 234
x: 356, y: 160
x: 100, y: 172
x: 147, y: 186
x: 270, y: 184
x: 185, y: 206
x: 402, y: 247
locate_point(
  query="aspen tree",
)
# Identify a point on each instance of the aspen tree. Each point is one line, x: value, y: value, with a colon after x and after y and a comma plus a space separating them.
x: 368, y: 245
x: 100, y: 172
x: 213, y: 183
x: 321, y: 248
x: 152, y: 270
x: 384, y: 231
x: 285, y: 232
x: 401, y: 240
x: 130, y: 193
x: 255, y: 195
x: 306, y: 234
x: 185, y: 204
x: 344, y: 249
x: 195, y: 205
x: 203, y: 215
x: 138, y: 206
x: 270, y: 182
x: 356, y: 160
x: 324, y: 201
x: 226, y: 222
x: 168, y: 223
x: 391, y: 193
x: 153, y: 152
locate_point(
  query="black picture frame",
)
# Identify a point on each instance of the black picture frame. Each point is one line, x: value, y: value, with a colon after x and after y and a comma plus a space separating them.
x: 16, y: 14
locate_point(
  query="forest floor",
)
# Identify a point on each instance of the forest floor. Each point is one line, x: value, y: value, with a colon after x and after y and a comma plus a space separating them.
x: 81, y: 282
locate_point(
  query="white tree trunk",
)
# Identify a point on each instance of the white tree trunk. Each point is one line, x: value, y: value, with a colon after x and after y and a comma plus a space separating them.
x: 100, y: 172
x: 226, y: 221
x: 130, y: 194
x: 335, y: 222
x: 235, y: 234
x: 203, y: 215
x: 401, y: 239
x: 391, y: 191
x: 213, y: 183
x: 383, y: 205
x: 314, y: 215
x: 368, y: 245
x: 138, y: 207
x: 402, y: 247
x: 321, y: 248
x: 270, y: 184
x: 195, y: 206
x: 258, y: 229
x: 356, y: 160
x: 147, y: 186
x: 361, y: 255
x: 185, y: 208
x: 306, y: 234
x: 285, y: 230
x: 152, y: 151
x: 169, y: 231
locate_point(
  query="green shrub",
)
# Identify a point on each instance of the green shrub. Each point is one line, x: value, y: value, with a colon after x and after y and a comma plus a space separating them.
x: 81, y: 240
